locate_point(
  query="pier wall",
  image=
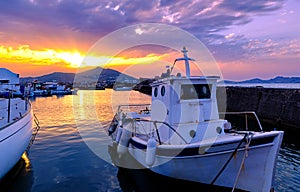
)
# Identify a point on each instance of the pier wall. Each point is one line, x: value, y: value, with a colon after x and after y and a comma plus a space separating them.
x: 279, y: 107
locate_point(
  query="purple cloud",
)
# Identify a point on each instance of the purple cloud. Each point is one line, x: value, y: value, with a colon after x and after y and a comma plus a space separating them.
x: 205, y: 19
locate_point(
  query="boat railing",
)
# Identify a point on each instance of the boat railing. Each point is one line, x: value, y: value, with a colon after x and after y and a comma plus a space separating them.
x: 134, y: 108
x: 20, y: 106
x: 246, y: 115
x: 156, y: 128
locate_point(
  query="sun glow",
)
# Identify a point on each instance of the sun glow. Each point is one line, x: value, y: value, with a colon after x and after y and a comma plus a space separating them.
x: 73, y: 58
x: 108, y: 61
x: 69, y: 59
x: 24, y: 54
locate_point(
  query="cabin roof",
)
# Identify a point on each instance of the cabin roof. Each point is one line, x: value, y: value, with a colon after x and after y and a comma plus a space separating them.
x: 192, y: 78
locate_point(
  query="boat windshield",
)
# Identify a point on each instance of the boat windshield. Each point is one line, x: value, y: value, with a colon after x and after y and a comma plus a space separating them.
x: 195, y: 91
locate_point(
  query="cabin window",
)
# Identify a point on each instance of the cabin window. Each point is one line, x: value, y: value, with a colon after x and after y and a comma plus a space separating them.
x: 155, y: 92
x: 163, y: 91
x: 4, y: 81
x: 195, y: 91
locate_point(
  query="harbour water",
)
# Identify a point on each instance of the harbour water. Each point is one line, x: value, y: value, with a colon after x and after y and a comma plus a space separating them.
x: 63, y: 157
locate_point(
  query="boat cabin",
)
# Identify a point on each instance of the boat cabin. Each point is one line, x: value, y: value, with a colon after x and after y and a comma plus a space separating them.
x: 186, y: 103
x: 184, y: 109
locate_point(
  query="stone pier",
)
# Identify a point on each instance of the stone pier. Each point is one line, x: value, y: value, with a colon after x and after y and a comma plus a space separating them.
x: 279, y: 107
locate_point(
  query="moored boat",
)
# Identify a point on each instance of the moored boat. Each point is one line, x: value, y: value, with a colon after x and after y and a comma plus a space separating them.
x: 16, y: 129
x: 67, y: 91
x: 182, y: 134
x: 122, y: 88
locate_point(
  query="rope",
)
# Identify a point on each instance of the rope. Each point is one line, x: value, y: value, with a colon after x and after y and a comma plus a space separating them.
x: 35, y: 132
x: 243, y: 160
x: 229, y: 159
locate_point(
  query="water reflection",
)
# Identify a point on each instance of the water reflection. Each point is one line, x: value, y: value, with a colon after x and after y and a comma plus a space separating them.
x: 60, y: 160
x: 287, y: 176
x: 20, y: 178
x: 143, y: 180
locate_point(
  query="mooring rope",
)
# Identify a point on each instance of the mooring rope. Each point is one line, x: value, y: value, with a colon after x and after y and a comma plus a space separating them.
x: 243, y: 160
x: 229, y: 159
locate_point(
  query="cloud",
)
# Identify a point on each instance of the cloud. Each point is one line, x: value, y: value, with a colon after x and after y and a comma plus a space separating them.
x: 102, y: 16
x: 229, y: 36
x: 275, y: 49
x: 31, y: 21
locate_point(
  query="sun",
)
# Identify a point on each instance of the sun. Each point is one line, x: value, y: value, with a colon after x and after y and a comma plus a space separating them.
x: 74, y: 59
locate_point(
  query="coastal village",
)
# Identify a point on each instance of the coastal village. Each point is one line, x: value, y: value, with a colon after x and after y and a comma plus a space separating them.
x: 32, y: 87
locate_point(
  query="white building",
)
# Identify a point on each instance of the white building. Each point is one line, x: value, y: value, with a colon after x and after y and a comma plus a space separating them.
x: 9, y: 80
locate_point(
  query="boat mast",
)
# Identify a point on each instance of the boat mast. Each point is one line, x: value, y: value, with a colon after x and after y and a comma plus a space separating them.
x: 187, y: 64
x: 186, y: 59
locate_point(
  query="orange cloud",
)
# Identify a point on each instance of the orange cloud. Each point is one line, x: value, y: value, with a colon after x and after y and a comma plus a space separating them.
x: 24, y: 54
x: 108, y: 61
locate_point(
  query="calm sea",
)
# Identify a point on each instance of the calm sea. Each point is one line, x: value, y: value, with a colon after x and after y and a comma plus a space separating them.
x: 69, y: 149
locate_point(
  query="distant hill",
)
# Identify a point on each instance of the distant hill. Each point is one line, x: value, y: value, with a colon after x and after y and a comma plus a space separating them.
x: 278, y: 79
x: 102, y: 74
x: 56, y: 76
x: 92, y: 75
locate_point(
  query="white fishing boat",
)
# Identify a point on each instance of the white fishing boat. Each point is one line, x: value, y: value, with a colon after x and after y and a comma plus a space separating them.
x: 16, y: 128
x: 183, y: 135
x: 41, y: 92
x: 122, y: 88
x: 64, y: 91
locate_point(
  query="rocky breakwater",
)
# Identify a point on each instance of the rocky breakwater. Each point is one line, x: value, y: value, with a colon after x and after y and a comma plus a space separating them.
x: 279, y: 107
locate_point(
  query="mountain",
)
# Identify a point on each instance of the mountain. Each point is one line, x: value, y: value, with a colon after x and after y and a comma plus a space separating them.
x: 278, y: 79
x: 92, y: 75
x: 101, y: 74
x: 56, y: 76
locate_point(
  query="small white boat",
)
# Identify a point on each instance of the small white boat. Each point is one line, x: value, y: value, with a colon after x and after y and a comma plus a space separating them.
x: 122, y: 88
x: 16, y: 130
x: 41, y: 92
x: 181, y: 134
x: 67, y: 91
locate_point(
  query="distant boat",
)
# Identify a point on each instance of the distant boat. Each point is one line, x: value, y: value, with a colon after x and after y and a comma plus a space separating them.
x: 37, y: 89
x: 181, y: 134
x: 41, y: 92
x: 122, y: 88
x: 16, y: 126
x: 67, y: 91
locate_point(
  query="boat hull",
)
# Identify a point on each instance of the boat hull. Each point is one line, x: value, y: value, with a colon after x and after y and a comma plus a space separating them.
x: 253, y: 171
x: 14, y: 139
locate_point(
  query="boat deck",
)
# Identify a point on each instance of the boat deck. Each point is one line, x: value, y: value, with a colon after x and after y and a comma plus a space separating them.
x: 221, y: 139
x: 17, y: 109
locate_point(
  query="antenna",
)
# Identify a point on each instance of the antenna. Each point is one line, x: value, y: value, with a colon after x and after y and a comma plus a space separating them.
x: 186, y: 59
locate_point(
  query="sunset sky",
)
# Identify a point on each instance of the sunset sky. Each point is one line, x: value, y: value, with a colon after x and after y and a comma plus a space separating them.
x: 248, y: 39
